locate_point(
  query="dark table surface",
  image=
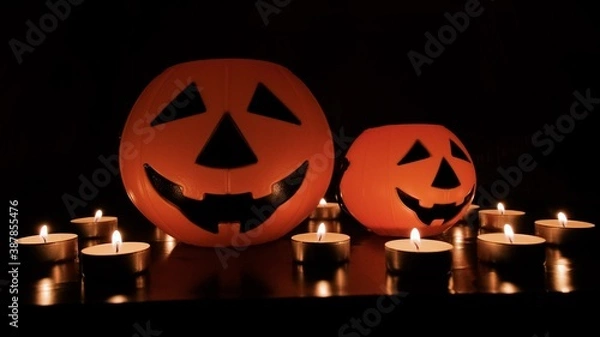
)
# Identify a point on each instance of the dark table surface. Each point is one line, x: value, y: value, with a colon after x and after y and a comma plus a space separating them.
x: 258, y: 287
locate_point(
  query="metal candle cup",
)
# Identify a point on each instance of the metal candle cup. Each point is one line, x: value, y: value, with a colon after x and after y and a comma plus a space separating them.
x: 470, y: 211
x: 573, y: 232
x: 495, y: 220
x: 431, y: 256
x: 333, y: 248
x: 58, y: 247
x: 326, y: 211
x: 103, y: 262
x: 89, y: 228
x: 496, y: 248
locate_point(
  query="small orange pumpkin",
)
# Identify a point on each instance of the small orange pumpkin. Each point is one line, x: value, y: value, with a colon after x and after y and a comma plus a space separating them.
x: 226, y: 152
x: 400, y: 177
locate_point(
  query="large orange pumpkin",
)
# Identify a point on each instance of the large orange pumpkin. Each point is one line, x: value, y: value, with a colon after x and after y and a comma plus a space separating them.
x: 226, y: 152
x: 400, y: 177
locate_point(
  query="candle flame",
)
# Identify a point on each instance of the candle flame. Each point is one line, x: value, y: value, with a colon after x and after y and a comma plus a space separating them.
x: 415, y: 238
x: 117, y: 241
x: 321, y: 231
x: 98, y: 216
x: 322, y: 202
x: 501, y: 208
x: 44, y: 233
x: 509, y: 233
x: 562, y: 219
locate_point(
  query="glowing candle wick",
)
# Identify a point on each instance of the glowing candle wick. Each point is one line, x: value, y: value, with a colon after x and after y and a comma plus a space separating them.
x: 117, y: 241
x: 97, y: 216
x: 415, y: 238
x: 321, y: 231
x: 508, y: 232
x: 44, y: 233
x: 562, y: 219
x: 501, y: 208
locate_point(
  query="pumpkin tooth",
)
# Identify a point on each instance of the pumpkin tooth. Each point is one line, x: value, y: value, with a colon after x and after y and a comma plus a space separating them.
x: 437, y: 222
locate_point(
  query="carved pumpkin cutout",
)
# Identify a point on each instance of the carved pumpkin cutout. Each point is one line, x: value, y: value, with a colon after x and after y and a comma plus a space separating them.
x: 226, y: 152
x: 400, y: 177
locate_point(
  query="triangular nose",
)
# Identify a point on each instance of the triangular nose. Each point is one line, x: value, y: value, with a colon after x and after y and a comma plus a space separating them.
x: 226, y: 148
x: 445, y: 177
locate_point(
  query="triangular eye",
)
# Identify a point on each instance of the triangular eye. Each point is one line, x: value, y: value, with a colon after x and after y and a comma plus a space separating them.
x: 416, y: 152
x: 186, y: 104
x: 457, y: 152
x: 266, y: 104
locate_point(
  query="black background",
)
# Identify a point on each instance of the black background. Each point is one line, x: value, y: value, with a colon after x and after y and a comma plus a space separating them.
x: 513, y: 70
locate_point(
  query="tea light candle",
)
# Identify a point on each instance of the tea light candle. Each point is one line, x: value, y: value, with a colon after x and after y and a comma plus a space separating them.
x: 326, y: 211
x: 98, y: 226
x: 48, y: 248
x: 470, y: 211
x: 321, y: 247
x: 561, y: 231
x: 116, y: 259
x: 510, y: 248
x: 416, y: 255
x: 495, y: 219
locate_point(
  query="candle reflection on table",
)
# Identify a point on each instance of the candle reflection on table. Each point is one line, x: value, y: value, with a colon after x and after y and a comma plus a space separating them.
x: 507, y: 280
x: 417, y: 283
x: 463, y: 281
x: 560, y: 278
x: 461, y: 234
x: 556, y: 255
x: 464, y: 257
x: 130, y: 290
x: 56, y: 284
x: 321, y: 282
x: 564, y: 266
x: 162, y: 244
x: 160, y: 235
x: 463, y: 237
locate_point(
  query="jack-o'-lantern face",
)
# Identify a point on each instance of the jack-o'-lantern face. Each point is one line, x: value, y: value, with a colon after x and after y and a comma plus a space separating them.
x: 226, y: 152
x: 401, y: 177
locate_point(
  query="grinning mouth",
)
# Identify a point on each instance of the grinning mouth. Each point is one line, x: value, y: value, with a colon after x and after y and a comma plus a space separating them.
x: 437, y: 211
x: 241, y: 208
